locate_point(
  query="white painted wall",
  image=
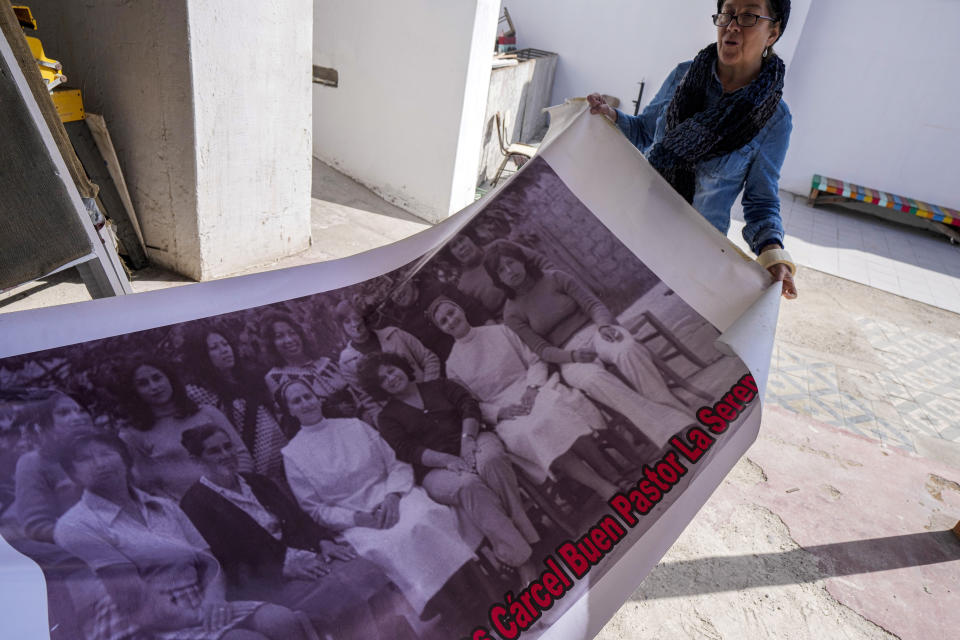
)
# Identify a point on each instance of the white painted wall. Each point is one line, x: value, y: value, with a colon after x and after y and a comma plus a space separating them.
x: 875, y: 96
x: 407, y: 117
x: 209, y: 109
x: 252, y: 108
x: 132, y: 62
x: 610, y: 47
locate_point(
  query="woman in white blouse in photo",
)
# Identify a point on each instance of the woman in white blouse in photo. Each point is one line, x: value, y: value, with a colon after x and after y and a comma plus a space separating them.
x: 347, y: 478
x: 546, y: 426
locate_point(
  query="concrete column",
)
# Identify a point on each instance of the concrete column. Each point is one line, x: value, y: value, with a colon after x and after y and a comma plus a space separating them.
x: 250, y: 63
x: 208, y: 105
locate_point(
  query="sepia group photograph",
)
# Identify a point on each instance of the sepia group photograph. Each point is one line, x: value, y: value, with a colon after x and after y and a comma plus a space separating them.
x: 380, y: 461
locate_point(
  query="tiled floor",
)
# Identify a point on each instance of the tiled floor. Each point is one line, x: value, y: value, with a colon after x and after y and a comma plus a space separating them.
x: 909, y: 262
x: 917, y: 391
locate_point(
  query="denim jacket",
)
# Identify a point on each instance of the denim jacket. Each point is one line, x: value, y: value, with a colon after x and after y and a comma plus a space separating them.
x: 753, y: 168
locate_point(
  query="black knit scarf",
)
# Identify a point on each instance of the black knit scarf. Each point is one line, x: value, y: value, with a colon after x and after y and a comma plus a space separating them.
x: 694, y: 133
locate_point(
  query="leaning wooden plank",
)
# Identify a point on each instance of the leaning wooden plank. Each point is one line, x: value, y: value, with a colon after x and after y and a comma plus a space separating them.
x: 113, y: 206
x: 101, y: 136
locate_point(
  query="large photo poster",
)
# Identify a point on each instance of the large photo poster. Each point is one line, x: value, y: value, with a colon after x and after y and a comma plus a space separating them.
x: 461, y: 446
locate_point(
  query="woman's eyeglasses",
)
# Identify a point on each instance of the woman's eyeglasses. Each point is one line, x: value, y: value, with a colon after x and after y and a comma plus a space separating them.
x: 743, y: 19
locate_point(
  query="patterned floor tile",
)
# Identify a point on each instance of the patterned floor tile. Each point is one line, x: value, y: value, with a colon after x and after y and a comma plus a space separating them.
x: 951, y: 433
x: 822, y: 377
x: 859, y: 383
x: 917, y: 392
x: 913, y: 416
x: 892, y: 387
x: 827, y: 407
x: 893, y: 434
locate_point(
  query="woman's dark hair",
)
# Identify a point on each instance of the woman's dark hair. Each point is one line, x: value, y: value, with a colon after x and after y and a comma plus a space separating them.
x: 266, y: 334
x: 247, y: 382
x: 196, y: 356
x: 369, y: 372
x: 141, y: 415
x: 499, y: 250
x: 332, y: 403
x: 447, y: 252
x: 779, y: 9
x: 68, y: 454
x: 193, y: 439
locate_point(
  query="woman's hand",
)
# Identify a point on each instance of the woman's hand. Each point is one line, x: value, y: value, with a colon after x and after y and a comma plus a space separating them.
x: 512, y: 411
x: 610, y: 333
x: 529, y: 397
x: 306, y: 568
x: 598, y: 104
x: 781, y: 273
x: 583, y: 355
x: 215, y: 615
x: 468, y: 451
x: 458, y: 465
x: 331, y: 550
x: 389, y: 511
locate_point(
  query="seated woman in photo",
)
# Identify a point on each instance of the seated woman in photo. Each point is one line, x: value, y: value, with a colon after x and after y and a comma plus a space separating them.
x: 563, y: 323
x: 224, y: 381
x: 546, y: 426
x: 295, y: 357
x: 44, y: 492
x: 349, y: 480
x: 406, y: 305
x: 361, y: 340
x: 271, y: 550
x: 152, y: 561
x: 435, y: 426
x: 474, y: 280
x: 160, y: 412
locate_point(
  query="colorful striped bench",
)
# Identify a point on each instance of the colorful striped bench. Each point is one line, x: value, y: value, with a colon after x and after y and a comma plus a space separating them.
x: 888, y: 205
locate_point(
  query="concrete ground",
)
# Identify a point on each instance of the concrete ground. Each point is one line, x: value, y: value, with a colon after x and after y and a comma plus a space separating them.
x: 346, y: 218
x: 835, y: 524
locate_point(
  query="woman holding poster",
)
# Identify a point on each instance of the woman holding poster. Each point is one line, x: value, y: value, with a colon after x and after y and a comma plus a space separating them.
x: 719, y: 126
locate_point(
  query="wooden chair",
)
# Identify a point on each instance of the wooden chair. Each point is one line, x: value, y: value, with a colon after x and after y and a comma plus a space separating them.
x: 519, y: 152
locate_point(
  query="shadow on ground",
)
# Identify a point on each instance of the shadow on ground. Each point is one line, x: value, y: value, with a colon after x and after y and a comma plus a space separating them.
x: 718, y: 574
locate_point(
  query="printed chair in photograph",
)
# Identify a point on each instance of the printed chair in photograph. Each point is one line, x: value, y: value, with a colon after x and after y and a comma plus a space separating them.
x: 546, y: 506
